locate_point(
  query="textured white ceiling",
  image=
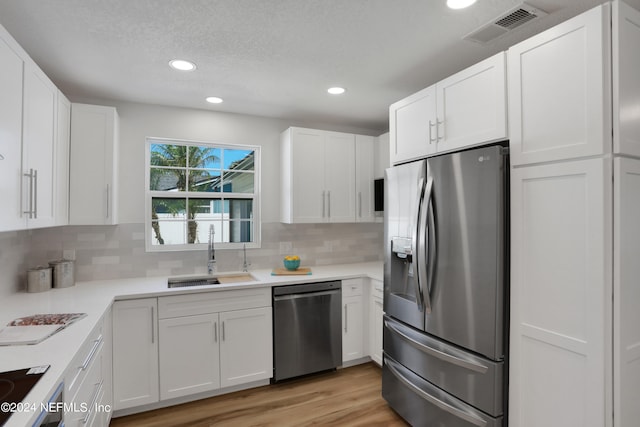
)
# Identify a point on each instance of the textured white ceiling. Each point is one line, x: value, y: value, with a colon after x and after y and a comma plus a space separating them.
x: 273, y: 58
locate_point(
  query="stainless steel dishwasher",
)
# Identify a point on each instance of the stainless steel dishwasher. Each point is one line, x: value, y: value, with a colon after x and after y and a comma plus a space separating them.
x: 307, y: 322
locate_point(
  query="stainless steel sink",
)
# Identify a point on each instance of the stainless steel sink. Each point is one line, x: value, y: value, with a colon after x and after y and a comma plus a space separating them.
x: 192, y: 281
x: 181, y: 282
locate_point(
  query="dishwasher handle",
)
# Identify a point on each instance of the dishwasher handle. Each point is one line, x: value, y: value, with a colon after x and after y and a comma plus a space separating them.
x: 307, y: 295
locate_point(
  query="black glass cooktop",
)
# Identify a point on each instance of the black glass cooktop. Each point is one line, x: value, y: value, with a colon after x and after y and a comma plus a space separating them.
x: 15, y: 385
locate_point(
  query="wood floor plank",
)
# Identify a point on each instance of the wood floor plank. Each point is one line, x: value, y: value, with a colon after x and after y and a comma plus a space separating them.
x: 347, y: 397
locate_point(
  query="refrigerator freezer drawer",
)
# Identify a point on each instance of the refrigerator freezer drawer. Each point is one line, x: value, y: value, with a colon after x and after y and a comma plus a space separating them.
x: 422, y: 404
x: 473, y: 379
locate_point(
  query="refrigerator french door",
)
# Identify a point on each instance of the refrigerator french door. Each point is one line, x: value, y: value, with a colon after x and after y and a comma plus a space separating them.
x: 446, y: 288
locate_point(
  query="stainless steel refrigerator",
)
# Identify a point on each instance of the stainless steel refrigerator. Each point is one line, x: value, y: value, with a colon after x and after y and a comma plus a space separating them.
x: 446, y: 289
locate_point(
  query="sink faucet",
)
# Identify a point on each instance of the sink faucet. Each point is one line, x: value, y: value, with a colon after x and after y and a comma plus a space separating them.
x: 211, y: 256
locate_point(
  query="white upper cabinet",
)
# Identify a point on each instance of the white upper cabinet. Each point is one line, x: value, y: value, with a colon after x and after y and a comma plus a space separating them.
x: 559, y: 105
x: 365, y: 161
x: 28, y: 141
x: 302, y: 176
x: 472, y: 105
x: 340, y: 176
x: 318, y: 176
x: 468, y: 108
x: 93, y: 165
x: 38, y: 147
x: 10, y: 136
x: 412, y: 126
x: 626, y: 84
x: 61, y: 165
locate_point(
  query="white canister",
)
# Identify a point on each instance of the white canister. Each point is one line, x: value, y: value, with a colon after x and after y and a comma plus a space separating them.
x: 39, y: 279
x: 63, y: 273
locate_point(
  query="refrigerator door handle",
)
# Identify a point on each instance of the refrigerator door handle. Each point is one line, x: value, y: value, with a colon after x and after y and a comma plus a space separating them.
x: 416, y: 245
x: 432, y: 244
x: 425, y: 290
x: 432, y: 399
x: 450, y: 358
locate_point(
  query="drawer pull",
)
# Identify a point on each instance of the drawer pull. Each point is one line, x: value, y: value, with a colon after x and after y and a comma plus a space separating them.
x: 92, y: 353
x: 94, y: 401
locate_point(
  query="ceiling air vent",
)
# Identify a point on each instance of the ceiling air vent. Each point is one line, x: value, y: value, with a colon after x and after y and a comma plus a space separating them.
x: 504, y: 23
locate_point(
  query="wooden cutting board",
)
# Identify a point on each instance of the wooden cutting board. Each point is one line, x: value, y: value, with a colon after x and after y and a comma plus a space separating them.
x: 236, y: 279
x: 301, y: 271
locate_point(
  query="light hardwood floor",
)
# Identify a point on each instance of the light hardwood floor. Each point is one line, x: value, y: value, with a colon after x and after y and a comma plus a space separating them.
x: 347, y: 397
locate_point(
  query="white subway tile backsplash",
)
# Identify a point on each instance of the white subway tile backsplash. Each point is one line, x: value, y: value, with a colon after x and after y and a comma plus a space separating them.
x: 111, y: 252
x: 102, y: 260
x: 91, y: 237
x: 170, y: 264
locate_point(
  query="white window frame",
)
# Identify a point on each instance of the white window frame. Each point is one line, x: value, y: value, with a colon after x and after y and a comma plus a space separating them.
x: 149, y: 194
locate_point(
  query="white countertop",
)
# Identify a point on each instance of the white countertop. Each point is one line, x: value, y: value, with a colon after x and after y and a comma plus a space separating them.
x: 95, y: 297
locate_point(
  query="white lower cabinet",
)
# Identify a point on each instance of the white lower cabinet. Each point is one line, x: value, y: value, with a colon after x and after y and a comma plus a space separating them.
x: 353, y: 337
x: 189, y: 355
x: 376, y: 314
x: 626, y: 292
x: 246, y: 348
x: 561, y: 293
x: 135, y: 353
x: 214, y: 340
x: 88, y: 381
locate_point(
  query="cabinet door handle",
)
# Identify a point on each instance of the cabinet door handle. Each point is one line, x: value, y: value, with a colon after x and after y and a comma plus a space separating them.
x: 223, y: 334
x: 360, y: 203
x: 345, y: 318
x: 107, y: 204
x: 1, y: 157
x: 329, y: 204
x: 35, y: 193
x: 431, y: 124
x: 94, y: 401
x: 323, y: 207
x: 215, y: 331
x: 29, y: 210
x: 438, y: 136
x: 153, y: 328
x: 92, y: 353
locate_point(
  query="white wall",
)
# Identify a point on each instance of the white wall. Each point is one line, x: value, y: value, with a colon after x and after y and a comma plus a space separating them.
x: 138, y: 121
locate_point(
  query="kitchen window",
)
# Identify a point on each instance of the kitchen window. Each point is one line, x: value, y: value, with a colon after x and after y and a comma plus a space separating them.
x: 191, y: 186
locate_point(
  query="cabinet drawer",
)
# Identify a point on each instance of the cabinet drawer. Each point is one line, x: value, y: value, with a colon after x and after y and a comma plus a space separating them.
x: 90, y: 392
x: 376, y: 286
x: 83, y: 361
x: 351, y: 287
x: 212, y: 302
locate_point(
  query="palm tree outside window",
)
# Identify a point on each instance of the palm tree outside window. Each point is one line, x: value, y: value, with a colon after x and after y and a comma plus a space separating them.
x: 192, y: 185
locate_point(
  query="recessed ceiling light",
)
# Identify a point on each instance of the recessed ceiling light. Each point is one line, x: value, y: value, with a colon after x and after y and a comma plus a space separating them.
x: 214, y: 100
x: 336, y: 90
x: 182, y: 65
x: 459, y: 4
